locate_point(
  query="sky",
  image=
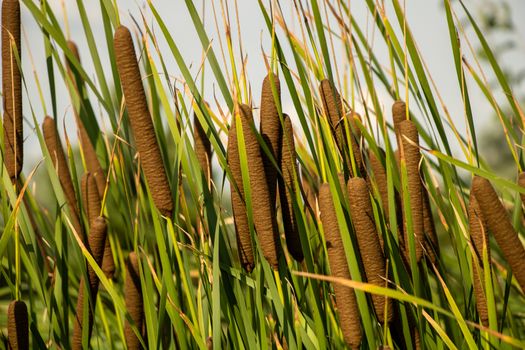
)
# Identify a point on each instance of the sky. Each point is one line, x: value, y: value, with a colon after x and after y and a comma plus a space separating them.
x: 426, y: 19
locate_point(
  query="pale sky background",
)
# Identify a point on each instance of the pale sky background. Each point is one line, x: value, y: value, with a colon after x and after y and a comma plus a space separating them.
x: 425, y: 17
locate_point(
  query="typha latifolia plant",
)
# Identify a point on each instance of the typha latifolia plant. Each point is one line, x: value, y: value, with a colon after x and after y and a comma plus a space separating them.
x: 276, y: 215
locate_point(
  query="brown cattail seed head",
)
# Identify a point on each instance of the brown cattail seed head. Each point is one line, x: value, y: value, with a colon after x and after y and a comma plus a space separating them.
x: 242, y: 228
x: 17, y: 325
x: 345, y: 297
x: 263, y: 209
x: 287, y: 192
x: 96, y: 241
x: 399, y: 113
x: 134, y: 302
x: 202, y: 147
x: 271, y: 130
x: 410, y: 154
x: 368, y: 241
x: 141, y: 122
x: 91, y: 198
x: 480, y: 241
x: 12, y: 88
x: 499, y: 224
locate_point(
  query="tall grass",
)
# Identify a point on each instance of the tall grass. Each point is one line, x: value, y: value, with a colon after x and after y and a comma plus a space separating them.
x: 302, y: 232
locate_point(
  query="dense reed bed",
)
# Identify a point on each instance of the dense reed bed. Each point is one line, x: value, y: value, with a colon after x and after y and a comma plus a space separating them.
x: 329, y: 200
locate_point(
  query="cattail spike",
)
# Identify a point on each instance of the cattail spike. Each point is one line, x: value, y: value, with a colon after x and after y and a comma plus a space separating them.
x: 12, y: 88
x: 54, y: 146
x: 399, y: 113
x: 202, y: 147
x: 345, y: 297
x: 368, y: 241
x: 134, y: 301
x: 271, y: 130
x: 96, y: 241
x: 479, y: 238
x: 499, y: 223
x: 410, y: 153
x: 242, y: 228
x: 287, y: 192
x: 141, y: 122
x: 17, y: 326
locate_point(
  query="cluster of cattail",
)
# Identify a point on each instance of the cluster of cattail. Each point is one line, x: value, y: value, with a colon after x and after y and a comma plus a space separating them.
x: 272, y: 170
x: 17, y: 326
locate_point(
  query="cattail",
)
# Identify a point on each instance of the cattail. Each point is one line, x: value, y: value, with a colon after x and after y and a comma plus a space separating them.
x: 333, y: 106
x: 345, y: 297
x: 242, y: 228
x: 202, y: 147
x: 499, y: 223
x: 90, y: 155
x: 271, y: 129
x: 141, y: 122
x: 54, y: 146
x: 96, y: 240
x: 92, y: 205
x: 368, y: 241
x: 263, y: 210
x: 432, y: 244
x: 399, y: 113
x: 134, y: 302
x: 287, y: 191
x: 12, y: 88
x: 521, y: 182
x: 480, y: 241
x: 409, y: 137
x: 380, y: 178
x: 17, y: 325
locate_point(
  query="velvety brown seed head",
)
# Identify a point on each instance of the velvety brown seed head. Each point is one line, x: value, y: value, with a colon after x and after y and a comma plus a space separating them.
x: 432, y: 244
x: 271, y: 129
x: 54, y: 147
x: 202, y: 147
x: 345, y: 297
x: 90, y: 197
x: 333, y: 107
x: 141, y: 122
x: 499, y: 224
x: 380, y: 179
x: 368, y: 241
x: 399, y: 113
x: 287, y: 192
x: 242, y: 229
x: 100, y: 179
x: 263, y: 209
x: 17, y: 325
x: 95, y: 245
x: 479, y: 238
x: 12, y: 88
x: 411, y: 155
x: 134, y: 301
x: 521, y: 182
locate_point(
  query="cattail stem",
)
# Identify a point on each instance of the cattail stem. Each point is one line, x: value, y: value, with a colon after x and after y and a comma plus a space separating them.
x: 480, y: 241
x: 345, y: 297
x: 271, y: 130
x: 134, y: 302
x: 287, y: 192
x: 368, y: 241
x: 141, y: 122
x: 17, y: 326
x: 499, y: 223
x: 96, y: 241
x: 54, y: 146
x: 12, y: 89
x: 410, y: 154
